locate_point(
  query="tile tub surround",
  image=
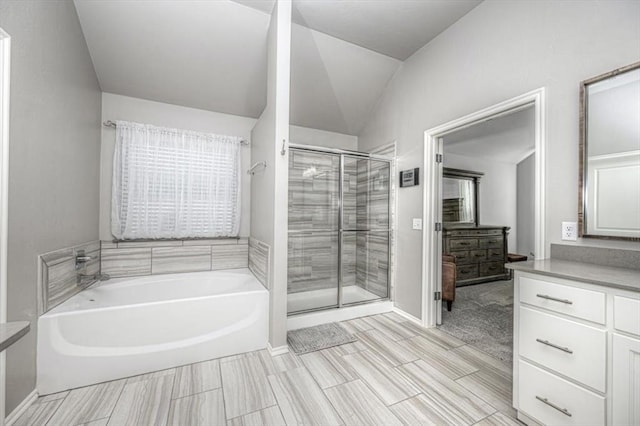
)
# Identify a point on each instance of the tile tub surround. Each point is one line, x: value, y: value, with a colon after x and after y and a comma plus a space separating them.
x: 398, y: 373
x: 259, y: 253
x: 136, y: 258
x: 57, y: 273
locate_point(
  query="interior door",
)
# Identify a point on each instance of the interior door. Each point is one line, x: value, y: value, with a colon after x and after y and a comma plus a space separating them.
x: 438, y: 209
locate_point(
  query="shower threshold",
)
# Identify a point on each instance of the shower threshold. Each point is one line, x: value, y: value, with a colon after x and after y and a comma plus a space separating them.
x: 326, y: 297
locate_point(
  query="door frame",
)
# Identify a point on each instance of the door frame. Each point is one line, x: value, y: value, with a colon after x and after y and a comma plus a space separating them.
x: 5, y: 67
x: 432, y: 239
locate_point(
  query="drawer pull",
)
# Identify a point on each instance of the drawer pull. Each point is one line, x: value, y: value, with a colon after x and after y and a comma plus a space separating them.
x: 552, y: 405
x: 544, y: 296
x: 478, y: 255
x: 548, y: 343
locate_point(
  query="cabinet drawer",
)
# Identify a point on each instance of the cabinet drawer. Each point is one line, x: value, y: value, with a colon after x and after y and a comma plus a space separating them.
x: 626, y: 314
x: 462, y: 244
x: 478, y: 255
x: 536, y: 385
x: 467, y: 271
x: 577, y: 302
x: 462, y: 257
x: 471, y: 231
x: 574, y: 350
x: 495, y: 254
x: 491, y: 242
x: 491, y: 268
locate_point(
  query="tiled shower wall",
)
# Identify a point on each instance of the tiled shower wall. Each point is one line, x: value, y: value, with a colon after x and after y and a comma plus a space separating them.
x: 57, y: 274
x: 134, y: 258
x: 313, y: 223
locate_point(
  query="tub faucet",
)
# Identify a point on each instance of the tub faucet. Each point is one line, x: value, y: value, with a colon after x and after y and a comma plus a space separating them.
x: 85, y: 281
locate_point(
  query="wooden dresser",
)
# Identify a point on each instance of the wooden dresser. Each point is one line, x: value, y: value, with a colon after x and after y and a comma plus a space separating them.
x: 481, y: 252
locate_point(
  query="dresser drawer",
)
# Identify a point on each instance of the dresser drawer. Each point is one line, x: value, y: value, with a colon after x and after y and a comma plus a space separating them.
x: 478, y: 255
x: 463, y: 244
x: 491, y: 242
x: 543, y: 396
x: 471, y: 231
x: 572, y: 349
x: 491, y: 268
x: 462, y: 257
x: 626, y: 314
x: 495, y: 254
x: 573, y: 301
x: 466, y: 272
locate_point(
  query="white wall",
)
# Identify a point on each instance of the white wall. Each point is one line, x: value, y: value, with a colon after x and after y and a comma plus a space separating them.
x: 316, y: 137
x: 117, y: 107
x: 269, y: 189
x: 525, y: 207
x: 53, y: 159
x: 497, y: 190
x: 498, y: 51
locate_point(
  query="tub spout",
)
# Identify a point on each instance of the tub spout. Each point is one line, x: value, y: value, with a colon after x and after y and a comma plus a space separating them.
x: 88, y: 280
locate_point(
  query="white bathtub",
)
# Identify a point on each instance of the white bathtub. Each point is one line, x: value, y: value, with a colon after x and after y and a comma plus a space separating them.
x: 129, y: 326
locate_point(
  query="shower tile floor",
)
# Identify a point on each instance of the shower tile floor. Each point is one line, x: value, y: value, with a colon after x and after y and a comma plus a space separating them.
x: 397, y: 373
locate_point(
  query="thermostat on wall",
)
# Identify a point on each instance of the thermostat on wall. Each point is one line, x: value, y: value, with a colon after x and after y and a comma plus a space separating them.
x: 409, y: 177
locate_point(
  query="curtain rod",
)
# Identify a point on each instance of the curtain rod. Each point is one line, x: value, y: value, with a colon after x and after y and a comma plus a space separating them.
x: 110, y: 123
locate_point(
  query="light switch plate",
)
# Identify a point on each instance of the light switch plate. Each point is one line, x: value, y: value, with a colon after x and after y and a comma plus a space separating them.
x: 569, y: 231
x: 417, y: 223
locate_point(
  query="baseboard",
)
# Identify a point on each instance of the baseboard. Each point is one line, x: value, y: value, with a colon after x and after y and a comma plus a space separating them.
x: 21, y: 408
x: 280, y: 350
x: 410, y: 317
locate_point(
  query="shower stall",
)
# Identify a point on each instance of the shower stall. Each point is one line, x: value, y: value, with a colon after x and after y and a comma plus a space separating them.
x: 339, y: 229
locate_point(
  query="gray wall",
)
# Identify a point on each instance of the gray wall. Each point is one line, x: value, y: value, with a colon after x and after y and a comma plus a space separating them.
x: 498, y: 51
x: 525, y: 206
x: 53, y: 161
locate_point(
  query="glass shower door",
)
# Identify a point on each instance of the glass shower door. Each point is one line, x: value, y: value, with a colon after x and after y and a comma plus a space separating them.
x: 314, y: 252
x: 365, y: 230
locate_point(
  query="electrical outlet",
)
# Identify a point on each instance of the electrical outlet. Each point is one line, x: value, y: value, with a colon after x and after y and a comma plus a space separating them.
x: 417, y: 223
x: 569, y: 231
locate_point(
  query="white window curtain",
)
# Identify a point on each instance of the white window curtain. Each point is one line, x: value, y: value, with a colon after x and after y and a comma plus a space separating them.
x: 170, y: 183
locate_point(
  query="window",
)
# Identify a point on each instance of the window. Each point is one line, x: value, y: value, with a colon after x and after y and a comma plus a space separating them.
x: 170, y: 183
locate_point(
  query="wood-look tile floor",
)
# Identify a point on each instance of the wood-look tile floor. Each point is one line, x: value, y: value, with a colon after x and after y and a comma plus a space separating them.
x: 397, y: 373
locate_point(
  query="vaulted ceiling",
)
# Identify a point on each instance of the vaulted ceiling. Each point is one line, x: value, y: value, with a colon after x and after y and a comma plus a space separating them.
x: 212, y: 54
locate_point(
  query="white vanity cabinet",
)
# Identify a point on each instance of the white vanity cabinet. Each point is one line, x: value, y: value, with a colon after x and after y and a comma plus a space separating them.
x: 576, y: 352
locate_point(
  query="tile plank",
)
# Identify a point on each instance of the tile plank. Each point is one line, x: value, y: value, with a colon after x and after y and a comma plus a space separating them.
x: 327, y: 368
x: 386, y: 348
x: 202, y: 409
x: 389, y: 328
x: 498, y: 419
x: 90, y: 403
x: 301, y: 400
x: 277, y: 364
x: 445, y: 401
x: 39, y: 413
x: 449, y: 363
x: 169, y: 260
x: 268, y: 417
x: 245, y: 385
x: 195, y: 378
x: 389, y: 384
x: 491, y: 387
x: 144, y: 402
x: 358, y: 405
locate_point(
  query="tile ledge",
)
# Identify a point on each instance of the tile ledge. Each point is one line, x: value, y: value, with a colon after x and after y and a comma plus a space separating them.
x: 11, y: 332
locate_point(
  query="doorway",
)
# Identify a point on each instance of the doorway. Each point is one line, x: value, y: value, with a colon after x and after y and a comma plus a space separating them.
x: 488, y: 220
x: 432, y: 219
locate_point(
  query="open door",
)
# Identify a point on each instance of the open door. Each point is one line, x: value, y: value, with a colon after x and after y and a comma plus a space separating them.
x: 438, y: 211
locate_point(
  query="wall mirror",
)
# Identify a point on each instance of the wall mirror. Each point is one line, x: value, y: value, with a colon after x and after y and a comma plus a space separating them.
x: 460, y: 190
x: 609, y: 193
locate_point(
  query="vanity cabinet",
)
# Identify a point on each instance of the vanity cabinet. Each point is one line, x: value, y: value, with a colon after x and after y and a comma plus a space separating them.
x: 480, y: 251
x: 576, y: 352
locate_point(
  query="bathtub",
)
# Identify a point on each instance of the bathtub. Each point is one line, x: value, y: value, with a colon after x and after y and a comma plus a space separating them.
x: 129, y: 326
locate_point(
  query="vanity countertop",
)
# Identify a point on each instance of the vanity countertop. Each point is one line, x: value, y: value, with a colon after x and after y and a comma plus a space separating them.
x: 12, y: 331
x: 608, y: 276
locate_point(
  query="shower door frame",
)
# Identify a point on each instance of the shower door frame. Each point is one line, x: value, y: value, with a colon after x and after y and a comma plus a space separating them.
x: 359, y: 155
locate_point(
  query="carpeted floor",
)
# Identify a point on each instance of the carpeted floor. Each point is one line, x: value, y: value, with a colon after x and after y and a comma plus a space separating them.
x: 482, y: 316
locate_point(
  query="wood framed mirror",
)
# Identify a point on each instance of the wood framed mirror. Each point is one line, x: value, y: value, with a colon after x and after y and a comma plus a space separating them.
x: 460, y: 193
x: 609, y: 162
